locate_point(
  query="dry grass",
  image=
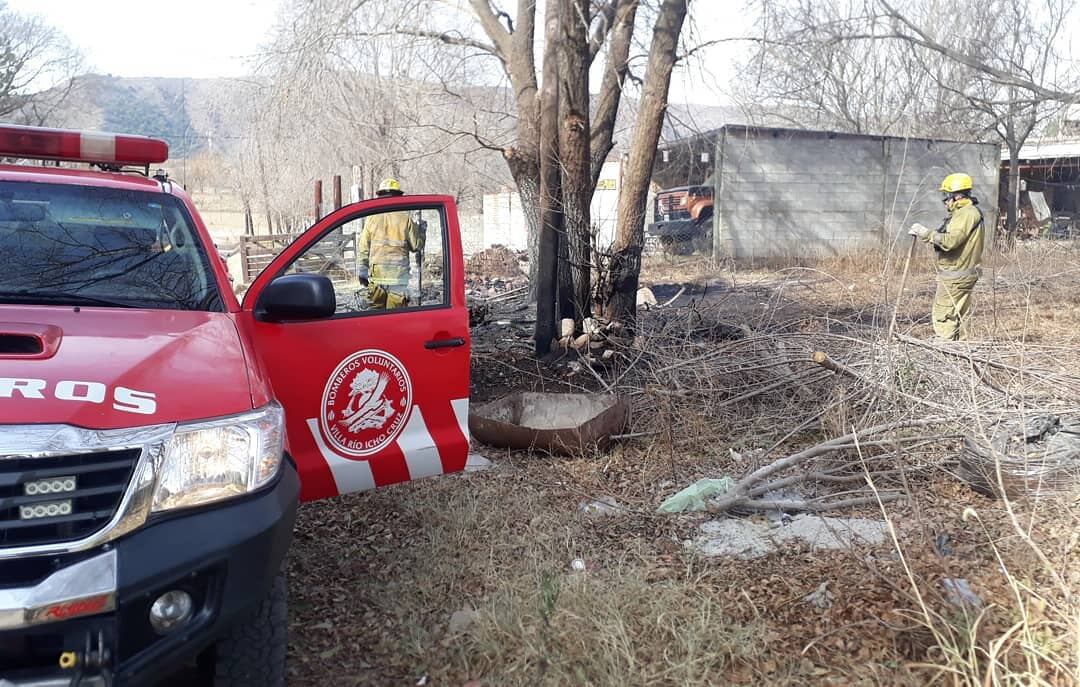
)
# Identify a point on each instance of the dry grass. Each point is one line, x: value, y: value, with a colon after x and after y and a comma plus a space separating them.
x: 609, y: 628
x: 376, y: 577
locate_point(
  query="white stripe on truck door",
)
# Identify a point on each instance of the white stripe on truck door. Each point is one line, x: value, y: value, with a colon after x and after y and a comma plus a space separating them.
x: 349, y: 475
x: 421, y: 453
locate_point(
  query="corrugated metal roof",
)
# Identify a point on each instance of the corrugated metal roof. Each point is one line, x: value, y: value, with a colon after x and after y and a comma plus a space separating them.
x: 1041, y: 149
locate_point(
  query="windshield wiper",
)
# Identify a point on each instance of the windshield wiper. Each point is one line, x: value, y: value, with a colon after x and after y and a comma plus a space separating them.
x: 60, y: 298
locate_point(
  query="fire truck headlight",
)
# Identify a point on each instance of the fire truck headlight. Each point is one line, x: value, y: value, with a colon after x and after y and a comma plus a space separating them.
x: 206, y: 462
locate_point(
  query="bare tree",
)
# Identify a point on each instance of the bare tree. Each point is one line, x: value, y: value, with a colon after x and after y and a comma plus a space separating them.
x: 38, y: 66
x: 811, y: 68
x: 574, y: 128
x: 1018, y: 79
x: 621, y: 303
x: 551, y: 226
x: 908, y: 67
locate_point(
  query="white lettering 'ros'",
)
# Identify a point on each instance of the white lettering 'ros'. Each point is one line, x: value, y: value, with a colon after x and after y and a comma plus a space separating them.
x: 124, y: 399
x: 131, y: 401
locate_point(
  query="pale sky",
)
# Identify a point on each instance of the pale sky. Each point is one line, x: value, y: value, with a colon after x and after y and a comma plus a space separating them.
x: 209, y: 38
x: 193, y: 38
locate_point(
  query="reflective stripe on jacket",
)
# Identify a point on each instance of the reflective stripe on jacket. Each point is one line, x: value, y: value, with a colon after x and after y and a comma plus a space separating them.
x: 384, y: 247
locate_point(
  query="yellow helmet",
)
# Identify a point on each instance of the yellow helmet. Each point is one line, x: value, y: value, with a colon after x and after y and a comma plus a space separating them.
x: 390, y: 187
x: 956, y: 182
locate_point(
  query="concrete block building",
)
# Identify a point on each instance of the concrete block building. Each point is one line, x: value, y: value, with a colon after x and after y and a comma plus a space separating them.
x: 795, y: 193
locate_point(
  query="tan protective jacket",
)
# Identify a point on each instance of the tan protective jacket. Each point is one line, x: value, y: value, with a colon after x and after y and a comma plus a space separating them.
x: 386, y: 242
x: 959, y: 242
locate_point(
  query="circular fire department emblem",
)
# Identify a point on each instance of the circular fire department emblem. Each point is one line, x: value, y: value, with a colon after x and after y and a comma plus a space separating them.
x: 366, y: 403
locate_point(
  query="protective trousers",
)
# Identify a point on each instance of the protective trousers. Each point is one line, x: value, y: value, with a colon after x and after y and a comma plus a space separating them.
x: 383, y: 298
x: 952, y: 304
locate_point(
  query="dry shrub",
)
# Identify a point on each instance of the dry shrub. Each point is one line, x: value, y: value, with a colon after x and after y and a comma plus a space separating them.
x: 1029, y: 632
x: 609, y: 628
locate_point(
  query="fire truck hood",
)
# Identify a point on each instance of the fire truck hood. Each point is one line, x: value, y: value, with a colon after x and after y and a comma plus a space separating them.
x: 108, y: 368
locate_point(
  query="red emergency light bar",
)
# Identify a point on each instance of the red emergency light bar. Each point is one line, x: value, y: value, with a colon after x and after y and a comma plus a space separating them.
x: 38, y: 143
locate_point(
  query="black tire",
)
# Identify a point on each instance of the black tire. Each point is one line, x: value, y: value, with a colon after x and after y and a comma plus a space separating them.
x: 253, y: 653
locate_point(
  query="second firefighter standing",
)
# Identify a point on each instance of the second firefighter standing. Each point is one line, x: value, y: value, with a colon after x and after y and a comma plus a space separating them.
x: 384, y: 252
x: 958, y: 248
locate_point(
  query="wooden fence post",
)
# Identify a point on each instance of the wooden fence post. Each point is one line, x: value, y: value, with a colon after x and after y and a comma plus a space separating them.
x: 244, y: 274
x: 318, y: 199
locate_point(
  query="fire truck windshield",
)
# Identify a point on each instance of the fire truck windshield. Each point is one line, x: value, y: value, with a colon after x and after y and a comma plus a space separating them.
x: 84, y: 245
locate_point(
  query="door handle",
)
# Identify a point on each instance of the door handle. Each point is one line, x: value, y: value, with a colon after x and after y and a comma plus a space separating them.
x: 444, y: 343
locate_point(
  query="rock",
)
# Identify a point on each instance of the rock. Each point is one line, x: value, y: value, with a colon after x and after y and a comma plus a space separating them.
x: 476, y: 462
x: 733, y: 538
x: 604, y: 505
x: 462, y: 620
x: 577, y: 565
x: 821, y: 597
x: 566, y: 328
x: 607, y: 355
x: 943, y: 545
x: 834, y: 533
x: 747, y: 539
x: 645, y: 297
x: 959, y: 593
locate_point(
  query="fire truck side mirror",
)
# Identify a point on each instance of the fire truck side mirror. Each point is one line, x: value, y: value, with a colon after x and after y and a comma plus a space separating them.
x: 296, y: 297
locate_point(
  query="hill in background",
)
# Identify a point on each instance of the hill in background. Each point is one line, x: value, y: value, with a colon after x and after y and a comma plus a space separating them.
x: 194, y: 115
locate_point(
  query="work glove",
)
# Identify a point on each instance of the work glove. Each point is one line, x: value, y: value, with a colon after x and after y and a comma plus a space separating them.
x: 919, y: 231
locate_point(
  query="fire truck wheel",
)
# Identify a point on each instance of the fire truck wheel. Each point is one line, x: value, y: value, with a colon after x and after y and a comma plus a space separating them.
x: 254, y: 652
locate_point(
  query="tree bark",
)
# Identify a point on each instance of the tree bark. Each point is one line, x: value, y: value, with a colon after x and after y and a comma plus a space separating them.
x: 550, y: 196
x: 621, y: 301
x: 574, y: 59
x: 615, y: 69
x: 516, y: 51
x: 1013, y: 191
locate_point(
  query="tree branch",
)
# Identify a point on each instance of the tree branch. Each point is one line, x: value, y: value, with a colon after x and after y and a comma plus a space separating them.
x: 489, y: 20
x: 611, y: 89
x: 444, y: 37
x: 923, y: 39
x: 605, y: 15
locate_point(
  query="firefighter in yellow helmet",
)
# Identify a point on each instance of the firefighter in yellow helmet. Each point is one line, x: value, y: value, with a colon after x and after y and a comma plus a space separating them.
x: 386, y: 242
x: 958, y: 247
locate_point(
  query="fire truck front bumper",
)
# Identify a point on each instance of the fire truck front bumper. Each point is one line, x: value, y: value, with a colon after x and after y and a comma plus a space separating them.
x: 91, y: 616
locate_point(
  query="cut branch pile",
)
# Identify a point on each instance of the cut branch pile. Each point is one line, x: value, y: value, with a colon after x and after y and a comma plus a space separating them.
x: 866, y: 413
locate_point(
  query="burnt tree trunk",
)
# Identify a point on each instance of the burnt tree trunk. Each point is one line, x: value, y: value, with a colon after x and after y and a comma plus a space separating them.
x: 625, y: 267
x: 573, y: 48
x: 550, y: 196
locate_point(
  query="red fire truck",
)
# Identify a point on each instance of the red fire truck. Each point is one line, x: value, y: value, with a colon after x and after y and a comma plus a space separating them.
x: 157, y: 432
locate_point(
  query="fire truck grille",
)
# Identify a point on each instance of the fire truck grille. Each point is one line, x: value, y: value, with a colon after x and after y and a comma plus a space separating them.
x: 61, y: 498
x: 672, y: 202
